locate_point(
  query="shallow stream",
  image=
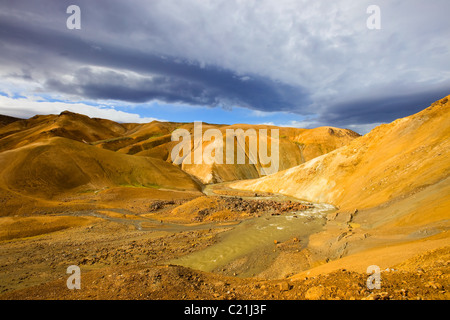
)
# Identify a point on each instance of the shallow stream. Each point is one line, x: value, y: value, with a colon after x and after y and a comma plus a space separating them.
x: 257, y: 236
x: 253, y: 240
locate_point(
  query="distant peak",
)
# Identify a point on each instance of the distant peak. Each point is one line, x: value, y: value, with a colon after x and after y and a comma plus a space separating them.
x: 66, y: 112
x: 74, y: 115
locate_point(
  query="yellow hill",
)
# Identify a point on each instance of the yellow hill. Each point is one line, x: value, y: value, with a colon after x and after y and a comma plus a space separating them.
x: 5, y: 120
x: 393, y: 160
x: 391, y: 188
x: 58, y: 165
x: 295, y: 147
x: 67, y: 124
x: 154, y: 140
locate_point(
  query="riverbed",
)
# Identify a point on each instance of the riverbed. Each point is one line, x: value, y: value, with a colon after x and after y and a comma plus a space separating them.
x: 254, y: 240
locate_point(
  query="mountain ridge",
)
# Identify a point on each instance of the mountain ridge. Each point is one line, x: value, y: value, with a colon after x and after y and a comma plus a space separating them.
x: 367, y: 172
x: 154, y: 140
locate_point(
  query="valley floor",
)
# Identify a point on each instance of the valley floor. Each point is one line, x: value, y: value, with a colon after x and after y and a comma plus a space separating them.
x: 128, y: 253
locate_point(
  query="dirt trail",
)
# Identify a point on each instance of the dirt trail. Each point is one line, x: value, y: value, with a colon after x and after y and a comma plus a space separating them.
x: 142, y: 223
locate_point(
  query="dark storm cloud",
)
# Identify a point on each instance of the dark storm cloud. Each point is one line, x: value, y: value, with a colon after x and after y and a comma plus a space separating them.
x: 382, y: 108
x: 174, y: 79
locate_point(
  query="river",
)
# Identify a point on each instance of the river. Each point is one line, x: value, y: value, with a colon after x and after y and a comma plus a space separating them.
x: 254, y: 239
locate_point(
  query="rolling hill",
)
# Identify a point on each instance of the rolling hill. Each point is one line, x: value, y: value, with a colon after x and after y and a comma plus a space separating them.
x: 391, y: 188
x: 154, y: 140
x: 392, y: 161
x: 59, y: 165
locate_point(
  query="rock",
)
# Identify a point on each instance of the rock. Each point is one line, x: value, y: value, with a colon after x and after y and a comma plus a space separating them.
x: 314, y: 293
x: 219, y: 283
x: 420, y: 271
x: 384, y: 296
x: 372, y: 296
x: 434, y: 285
x: 402, y: 292
x: 284, y: 286
x: 332, y: 216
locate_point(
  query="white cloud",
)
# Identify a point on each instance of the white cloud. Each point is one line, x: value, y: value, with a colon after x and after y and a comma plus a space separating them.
x: 28, y: 107
x: 362, y: 129
x: 301, y: 124
x: 270, y: 123
x: 260, y: 114
x: 305, y: 124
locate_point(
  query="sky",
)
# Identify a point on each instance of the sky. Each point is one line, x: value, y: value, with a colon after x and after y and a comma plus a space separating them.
x: 282, y: 62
